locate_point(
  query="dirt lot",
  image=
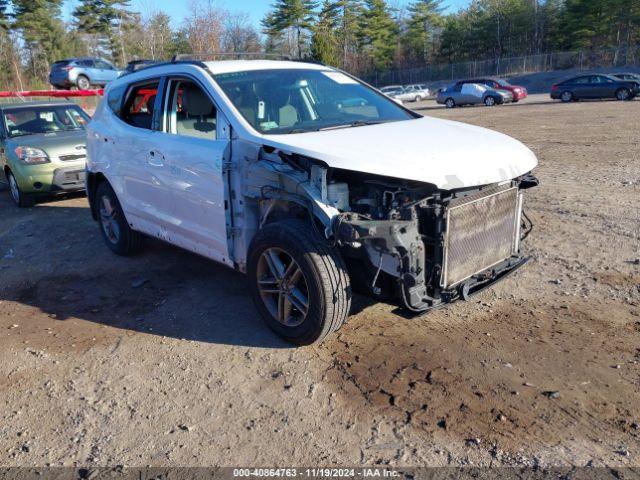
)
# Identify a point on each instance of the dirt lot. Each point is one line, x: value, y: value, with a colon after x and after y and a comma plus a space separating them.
x: 162, y: 359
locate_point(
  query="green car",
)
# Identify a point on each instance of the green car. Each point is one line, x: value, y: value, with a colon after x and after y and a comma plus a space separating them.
x: 42, y: 149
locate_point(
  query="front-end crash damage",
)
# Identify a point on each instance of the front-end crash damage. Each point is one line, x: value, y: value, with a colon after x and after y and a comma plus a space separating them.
x: 403, y: 241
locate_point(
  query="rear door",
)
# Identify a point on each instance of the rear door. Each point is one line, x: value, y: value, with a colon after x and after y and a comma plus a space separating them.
x: 581, y: 87
x: 104, y: 71
x: 194, y: 142
x: 88, y: 69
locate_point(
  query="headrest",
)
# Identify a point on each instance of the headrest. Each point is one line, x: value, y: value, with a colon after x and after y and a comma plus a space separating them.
x: 195, y: 102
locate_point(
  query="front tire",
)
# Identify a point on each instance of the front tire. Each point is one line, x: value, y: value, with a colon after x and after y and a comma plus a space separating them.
x: 490, y: 101
x: 623, y: 94
x: 115, y: 230
x: 299, y: 284
x: 450, y: 103
x: 20, y: 198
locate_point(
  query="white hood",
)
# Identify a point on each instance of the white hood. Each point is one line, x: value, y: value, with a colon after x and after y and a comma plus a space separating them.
x: 447, y: 154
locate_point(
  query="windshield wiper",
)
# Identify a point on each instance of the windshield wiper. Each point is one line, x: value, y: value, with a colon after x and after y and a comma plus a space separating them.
x: 357, y: 123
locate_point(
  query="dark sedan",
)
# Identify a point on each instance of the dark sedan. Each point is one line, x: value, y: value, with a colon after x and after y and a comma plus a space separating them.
x: 593, y: 87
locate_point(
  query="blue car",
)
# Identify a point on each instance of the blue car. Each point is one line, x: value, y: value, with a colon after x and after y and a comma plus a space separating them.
x: 82, y: 73
x: 595, y: 87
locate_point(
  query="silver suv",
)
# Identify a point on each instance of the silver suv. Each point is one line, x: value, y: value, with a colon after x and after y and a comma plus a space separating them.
x: 82, y: 73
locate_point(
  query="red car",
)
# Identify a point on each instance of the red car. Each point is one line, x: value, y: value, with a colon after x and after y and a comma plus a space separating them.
x: 500, y: 84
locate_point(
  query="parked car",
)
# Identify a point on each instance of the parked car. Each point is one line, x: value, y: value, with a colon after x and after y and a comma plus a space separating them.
x: 495, y: 83
x: 82, y: 73
x: 271, y: 168
x: 416, y: 93
x: 411, y: 93
x: 135, y: 65
x: 632, y: 77
x: 594, y: 87
x: 463, y: 93
x: 42, y: 149
x: 391, y: 89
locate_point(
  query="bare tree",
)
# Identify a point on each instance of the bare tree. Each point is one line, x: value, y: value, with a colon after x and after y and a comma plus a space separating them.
x: 240, y: 35
x: 204, y: 26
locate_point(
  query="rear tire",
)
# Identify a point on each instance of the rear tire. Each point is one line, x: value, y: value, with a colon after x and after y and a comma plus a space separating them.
x: 83, y: 83
x: 299, y: 284
x: 566, y: 97
x: 115, y: 230
x: 21, y: 199
x: 623, y: 94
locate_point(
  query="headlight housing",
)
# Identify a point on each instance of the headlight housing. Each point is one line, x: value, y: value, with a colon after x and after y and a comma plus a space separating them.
x: 32, y: 156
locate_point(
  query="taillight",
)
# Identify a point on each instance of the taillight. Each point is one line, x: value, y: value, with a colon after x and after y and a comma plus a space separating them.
x: 67, y: 69
x: 554, y: 88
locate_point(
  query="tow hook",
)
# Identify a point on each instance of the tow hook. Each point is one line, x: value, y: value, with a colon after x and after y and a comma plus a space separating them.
x: 463, y: 290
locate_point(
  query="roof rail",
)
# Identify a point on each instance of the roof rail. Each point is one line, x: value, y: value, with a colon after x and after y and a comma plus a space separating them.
x: 212, y: 55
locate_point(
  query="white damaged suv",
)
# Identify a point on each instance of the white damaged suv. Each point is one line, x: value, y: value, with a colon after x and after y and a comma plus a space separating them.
x: 310, y: 182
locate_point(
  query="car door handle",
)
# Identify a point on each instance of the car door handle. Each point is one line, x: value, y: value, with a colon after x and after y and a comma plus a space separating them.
x: 155, y: 159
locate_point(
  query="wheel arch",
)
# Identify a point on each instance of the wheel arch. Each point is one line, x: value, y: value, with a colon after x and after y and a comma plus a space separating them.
x: 92, y: 182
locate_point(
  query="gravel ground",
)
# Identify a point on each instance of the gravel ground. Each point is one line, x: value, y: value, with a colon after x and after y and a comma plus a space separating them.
x: 162, y: 359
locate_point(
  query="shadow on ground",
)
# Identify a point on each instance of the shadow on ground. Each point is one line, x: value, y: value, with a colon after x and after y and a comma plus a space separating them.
x: 164, y: 291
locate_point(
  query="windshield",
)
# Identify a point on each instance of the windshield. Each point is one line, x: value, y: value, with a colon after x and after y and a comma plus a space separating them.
x: 301, y: 100
x: 33, y: 120
x: 503, y: 83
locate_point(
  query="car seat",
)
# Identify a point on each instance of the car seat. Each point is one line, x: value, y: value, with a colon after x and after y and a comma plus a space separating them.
x: 199, y: 118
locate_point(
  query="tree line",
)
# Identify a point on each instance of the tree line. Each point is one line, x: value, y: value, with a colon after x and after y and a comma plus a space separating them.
x: 33, y: 35
x: 367, y: 35
x: 360, y: 36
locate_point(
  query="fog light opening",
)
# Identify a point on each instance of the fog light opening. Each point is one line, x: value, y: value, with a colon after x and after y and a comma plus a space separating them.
x: 37, y: 185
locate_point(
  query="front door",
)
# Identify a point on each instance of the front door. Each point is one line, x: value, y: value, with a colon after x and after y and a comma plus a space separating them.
x: 195, y: 148
x: 147, y: 197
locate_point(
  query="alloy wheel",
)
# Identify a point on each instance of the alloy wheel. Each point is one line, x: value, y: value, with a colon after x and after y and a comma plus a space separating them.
x: 623, y: 94
x: 489, y: 101
x: 283, y: 287
x: 83, y: 83
x: 108, y: 218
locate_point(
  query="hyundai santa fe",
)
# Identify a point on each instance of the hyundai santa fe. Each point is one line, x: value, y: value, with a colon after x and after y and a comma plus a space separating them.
x: 310, y: 182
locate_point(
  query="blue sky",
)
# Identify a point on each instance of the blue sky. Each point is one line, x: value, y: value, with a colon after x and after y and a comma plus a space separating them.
x: 255, y: 8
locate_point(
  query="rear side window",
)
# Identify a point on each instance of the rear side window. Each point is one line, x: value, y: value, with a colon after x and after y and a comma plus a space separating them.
x: 139, y: 106
x: 115, y: 98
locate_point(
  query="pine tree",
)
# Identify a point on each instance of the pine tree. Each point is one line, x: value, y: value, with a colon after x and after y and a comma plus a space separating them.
x: 108, y: 21
x: 348, y: 32
x: 324, y: 43
x: 378, y: 33
x: 43, y: 33
x: 295, y: 16
x: 425, y: 20
x: 4, y: 16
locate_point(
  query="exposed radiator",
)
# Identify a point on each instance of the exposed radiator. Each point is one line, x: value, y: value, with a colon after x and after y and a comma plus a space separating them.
x: 481, y: 231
